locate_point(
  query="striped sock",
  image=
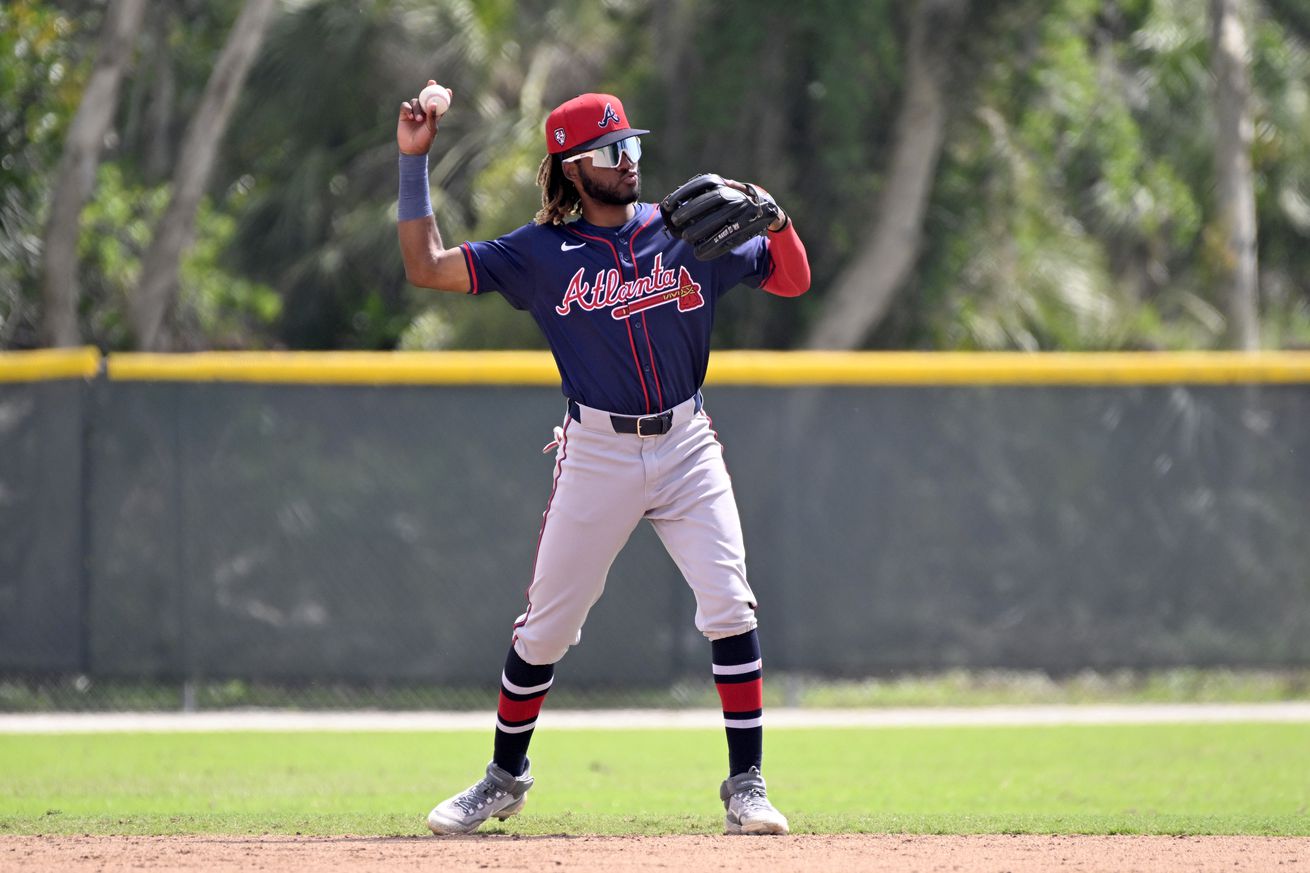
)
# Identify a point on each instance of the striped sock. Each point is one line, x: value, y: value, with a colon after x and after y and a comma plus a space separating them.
x: 739, y: 679
x: 523, y: 688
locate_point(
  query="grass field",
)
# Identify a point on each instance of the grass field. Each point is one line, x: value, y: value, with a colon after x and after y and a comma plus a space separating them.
x: 1156, y: 779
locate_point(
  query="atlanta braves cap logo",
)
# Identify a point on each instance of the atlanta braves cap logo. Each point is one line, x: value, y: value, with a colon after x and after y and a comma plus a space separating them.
x: 559, y: 135
x: 608, y: 116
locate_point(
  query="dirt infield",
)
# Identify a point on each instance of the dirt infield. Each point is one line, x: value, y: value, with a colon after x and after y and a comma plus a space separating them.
x: 850, y: 854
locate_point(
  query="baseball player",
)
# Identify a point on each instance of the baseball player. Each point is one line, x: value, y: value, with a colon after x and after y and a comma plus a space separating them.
x: 627, y: 310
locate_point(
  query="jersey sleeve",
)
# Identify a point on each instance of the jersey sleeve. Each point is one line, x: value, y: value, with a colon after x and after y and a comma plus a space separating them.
x: 503, y: 264
x: 747, y: 264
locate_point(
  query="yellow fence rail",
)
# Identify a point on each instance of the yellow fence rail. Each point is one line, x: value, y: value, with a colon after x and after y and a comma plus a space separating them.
x: 732, y: 368
x: 726, y: 368
x: 48, y: 364
x: 341, y: 368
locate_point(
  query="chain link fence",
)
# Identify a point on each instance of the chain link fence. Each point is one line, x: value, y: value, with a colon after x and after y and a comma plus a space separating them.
x: 207, y: 544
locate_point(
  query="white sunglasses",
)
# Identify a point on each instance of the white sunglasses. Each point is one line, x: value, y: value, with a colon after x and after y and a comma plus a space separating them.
x: 610, y: 156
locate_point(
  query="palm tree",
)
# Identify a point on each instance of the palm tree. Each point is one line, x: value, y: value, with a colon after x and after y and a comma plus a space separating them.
x: 157, y: 293
x: 1235, y: 181
x: 886, y: 256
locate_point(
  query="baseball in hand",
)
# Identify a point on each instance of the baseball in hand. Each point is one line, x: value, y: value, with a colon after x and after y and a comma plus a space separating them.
x: 434, y: 99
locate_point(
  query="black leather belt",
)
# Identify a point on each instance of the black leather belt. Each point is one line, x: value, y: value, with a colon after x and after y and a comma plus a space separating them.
x: 641, y: 425
x: 647, y: 425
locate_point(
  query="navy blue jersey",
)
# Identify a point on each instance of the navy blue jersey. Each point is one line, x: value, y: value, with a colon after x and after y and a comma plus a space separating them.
x: 627, y: 310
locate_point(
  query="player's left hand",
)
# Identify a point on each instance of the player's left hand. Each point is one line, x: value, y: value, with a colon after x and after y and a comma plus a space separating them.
x: 746, y: 189
x: 714, y: 215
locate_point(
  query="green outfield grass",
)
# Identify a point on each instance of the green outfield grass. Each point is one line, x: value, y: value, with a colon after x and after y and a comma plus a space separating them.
x: 1160, y: 779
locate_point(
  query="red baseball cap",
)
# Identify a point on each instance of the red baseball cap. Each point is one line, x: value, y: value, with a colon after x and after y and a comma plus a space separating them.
x: 588, y: 121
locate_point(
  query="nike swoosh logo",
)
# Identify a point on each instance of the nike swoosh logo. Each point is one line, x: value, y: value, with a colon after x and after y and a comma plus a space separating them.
x: 565, y: 247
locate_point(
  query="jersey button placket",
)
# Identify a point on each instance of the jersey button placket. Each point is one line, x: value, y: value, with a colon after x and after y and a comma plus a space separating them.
x: 624, y: 246
x: 638, y: 324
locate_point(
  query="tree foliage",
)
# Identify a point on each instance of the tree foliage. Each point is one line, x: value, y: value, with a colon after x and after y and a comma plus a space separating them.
x: 41, y: 61
x: 215, y: 306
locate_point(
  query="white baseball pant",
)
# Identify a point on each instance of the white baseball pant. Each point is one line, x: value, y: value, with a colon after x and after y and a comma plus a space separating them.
x: 605, y: 483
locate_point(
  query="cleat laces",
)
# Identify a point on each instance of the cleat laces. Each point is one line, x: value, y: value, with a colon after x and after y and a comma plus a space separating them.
x: 754, y: 800
x: 477, y: 797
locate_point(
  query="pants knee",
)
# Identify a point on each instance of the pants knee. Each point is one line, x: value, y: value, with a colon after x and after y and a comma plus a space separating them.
x: 727, y: 617
x: 719, y: 633
x: 536, y: 650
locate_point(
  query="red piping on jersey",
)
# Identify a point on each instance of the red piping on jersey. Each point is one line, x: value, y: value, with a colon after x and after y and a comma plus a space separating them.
x: 473, y: 274
x: 789, y: 267
x: 632, y: 241
x: 554, y: 486
x: 636, y: 362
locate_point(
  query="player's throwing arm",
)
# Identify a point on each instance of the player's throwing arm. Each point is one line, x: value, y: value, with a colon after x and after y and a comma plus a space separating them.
x: 428, y: 263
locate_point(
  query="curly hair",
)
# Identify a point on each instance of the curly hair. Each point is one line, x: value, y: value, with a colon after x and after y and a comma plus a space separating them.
x: 559, y: 197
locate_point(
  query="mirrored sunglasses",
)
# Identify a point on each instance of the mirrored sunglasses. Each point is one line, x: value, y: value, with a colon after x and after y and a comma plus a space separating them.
x: 610, y: 156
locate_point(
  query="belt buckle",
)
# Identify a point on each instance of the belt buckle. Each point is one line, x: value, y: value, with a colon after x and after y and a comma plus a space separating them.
x: 656, y: 421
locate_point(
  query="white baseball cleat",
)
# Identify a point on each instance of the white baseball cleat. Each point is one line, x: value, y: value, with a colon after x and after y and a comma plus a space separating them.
x: 747, y: 803
x: 498, y: 794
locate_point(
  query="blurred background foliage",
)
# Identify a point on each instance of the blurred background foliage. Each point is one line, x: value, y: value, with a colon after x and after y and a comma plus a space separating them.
x: 1072, y: 205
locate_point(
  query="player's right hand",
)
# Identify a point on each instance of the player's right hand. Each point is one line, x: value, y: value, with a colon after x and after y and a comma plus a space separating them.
x: 416, y: 129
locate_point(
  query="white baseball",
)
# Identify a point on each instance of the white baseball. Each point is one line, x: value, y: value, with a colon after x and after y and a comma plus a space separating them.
x: 434, y: 99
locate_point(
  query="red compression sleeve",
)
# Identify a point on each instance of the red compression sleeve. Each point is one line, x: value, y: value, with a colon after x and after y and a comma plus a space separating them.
x: 790, y: 276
